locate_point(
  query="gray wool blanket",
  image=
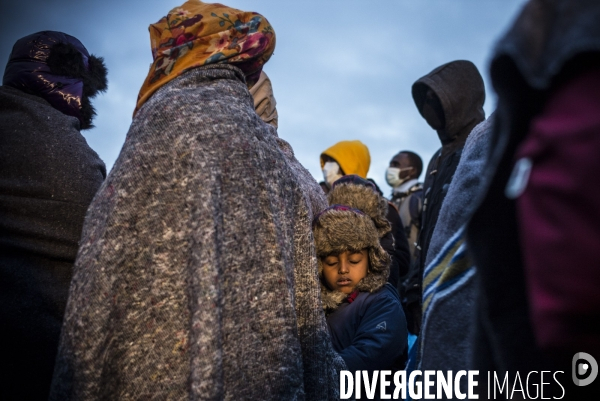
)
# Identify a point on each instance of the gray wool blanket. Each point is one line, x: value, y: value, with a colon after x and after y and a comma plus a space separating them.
x: 448, y: 284
x: 196, y: 278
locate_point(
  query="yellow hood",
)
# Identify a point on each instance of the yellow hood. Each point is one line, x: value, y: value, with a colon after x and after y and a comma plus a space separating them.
x: 352, y: 156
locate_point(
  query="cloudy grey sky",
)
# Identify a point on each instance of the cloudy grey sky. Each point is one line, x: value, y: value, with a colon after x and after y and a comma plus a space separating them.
x: 342, y: 69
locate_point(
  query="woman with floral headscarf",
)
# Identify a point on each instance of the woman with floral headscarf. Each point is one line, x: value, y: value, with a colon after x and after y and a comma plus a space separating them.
x: 197, y: 274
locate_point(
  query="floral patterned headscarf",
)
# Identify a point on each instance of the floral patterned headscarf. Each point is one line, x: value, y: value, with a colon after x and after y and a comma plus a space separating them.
x: 197, y: 34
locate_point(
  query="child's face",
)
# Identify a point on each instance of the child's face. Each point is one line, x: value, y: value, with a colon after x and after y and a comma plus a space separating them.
x: 343, y: 272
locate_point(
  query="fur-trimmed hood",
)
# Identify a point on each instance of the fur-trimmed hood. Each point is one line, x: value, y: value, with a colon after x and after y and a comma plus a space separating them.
x: 58, y: 68
x: 358, y: 193
x: 341, y: 228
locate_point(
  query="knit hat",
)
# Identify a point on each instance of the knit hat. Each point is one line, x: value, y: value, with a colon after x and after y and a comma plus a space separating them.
x: 352, y: 156
x: 361, y: 194
x: 341, y: 228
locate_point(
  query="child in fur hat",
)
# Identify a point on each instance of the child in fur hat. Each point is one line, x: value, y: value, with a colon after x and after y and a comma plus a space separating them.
x: 365, y: 319
x: 361, y: 194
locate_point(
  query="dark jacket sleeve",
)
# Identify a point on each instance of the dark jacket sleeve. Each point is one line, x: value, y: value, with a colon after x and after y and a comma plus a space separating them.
x: 381, y: 336
x: 414, y: 278
x: 399, y: 251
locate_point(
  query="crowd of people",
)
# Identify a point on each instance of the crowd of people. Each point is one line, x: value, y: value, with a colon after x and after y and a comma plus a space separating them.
x: 209, y: 263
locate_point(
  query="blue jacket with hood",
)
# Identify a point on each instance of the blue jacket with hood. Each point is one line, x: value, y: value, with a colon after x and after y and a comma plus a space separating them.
x: 369, y: 330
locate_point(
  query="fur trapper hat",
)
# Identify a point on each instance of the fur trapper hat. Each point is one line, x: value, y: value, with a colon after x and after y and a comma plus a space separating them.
x: 58, y: 68
x: 361, y: 194
x: 340, y: 228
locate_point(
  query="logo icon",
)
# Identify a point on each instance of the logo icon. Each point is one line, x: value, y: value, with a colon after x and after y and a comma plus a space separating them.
x: 585, y: 369
x: 382, y: 326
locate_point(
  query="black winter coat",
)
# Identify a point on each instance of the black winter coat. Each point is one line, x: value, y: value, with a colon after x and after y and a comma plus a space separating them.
x: 399, y: 249
x: 48, y: 177
x: 461, y: 91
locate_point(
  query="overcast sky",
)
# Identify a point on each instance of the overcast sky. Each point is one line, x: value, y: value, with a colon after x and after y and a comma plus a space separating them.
x: 342, y: 69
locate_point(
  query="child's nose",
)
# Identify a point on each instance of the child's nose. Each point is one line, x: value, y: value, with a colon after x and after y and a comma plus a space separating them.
x: 344, y: 267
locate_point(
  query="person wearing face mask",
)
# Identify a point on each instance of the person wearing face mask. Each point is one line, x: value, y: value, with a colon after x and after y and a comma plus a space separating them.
x: 345, y: 157
x: 407, y: 192
x: 450, y: 98
x: 351, y: 159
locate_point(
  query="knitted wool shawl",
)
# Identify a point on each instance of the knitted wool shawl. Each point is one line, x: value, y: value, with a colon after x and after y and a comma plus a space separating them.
x: 197, y: 275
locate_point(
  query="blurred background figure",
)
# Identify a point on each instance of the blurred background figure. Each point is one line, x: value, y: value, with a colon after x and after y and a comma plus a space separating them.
x: 535, y: 236
x: 48, y: 177
x: 407, y: 193
x: 264, y: 101
x: 345, y: 157
x: 407, y: 196
x: 450, y: 98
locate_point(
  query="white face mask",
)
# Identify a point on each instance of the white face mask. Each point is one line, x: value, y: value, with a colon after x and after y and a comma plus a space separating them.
x: 331, y: 173
x: 392, y: 176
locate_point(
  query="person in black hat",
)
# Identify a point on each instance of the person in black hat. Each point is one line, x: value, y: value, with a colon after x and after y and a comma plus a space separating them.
x: 48, y: 177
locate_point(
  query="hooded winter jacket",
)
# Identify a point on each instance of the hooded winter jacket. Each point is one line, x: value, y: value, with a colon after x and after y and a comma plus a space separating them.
x: 460, y: 89
x: 543, y: 59
x: 48, y: 177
